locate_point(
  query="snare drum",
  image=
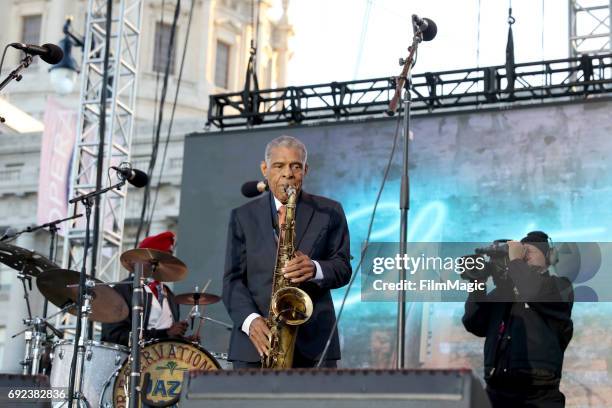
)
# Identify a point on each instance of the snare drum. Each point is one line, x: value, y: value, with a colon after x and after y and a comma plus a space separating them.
x: 164, y: 361
x: 101, y: 360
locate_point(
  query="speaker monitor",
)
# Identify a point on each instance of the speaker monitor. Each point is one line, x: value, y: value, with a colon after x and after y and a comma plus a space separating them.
x: 330, y: 388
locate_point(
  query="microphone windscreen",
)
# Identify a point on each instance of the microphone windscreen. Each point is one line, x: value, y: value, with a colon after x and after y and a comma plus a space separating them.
x: 139, y: 178
x: 250, y: 190
x: 431, y: 30
x: 54, y: 56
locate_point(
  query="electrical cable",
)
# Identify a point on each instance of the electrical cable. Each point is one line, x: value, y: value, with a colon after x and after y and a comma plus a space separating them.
x: 366, y: 244
x: 170, y: 125
x: 162, y: 103
x: 158, y: 50
x: 478, y: 36
x: 542, y: 35
x: 3, y: 56
x: 362, y: 38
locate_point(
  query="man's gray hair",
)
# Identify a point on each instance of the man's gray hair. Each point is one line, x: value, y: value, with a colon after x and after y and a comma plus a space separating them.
x: 288, y: 142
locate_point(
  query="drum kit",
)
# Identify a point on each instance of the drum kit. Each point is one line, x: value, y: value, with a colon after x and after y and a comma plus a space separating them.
x: 103, y: 370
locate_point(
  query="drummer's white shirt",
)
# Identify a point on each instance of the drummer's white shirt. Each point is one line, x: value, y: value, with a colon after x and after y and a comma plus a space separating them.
x: 161, y: 316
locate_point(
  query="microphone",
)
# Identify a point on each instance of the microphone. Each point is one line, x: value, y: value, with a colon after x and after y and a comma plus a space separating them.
x: 135, y: 177
x: 8, y: 234
x: 426, y: 26
x: 50, y: 53
x: 252, y: 189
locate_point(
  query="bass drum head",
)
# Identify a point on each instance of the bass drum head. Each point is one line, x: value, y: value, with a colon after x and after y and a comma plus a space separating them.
x: 165, y: 361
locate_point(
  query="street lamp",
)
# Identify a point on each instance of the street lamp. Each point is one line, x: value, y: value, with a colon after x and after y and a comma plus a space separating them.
x: 64, y: 74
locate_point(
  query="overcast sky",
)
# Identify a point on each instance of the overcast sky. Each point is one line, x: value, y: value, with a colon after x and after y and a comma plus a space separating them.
x: 328, y: 37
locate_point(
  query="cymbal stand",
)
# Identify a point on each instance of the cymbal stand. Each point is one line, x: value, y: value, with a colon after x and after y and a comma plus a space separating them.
x: 136, y: 335
x: 26, y: 363
x: 46, y: 320
x: 195, y: 310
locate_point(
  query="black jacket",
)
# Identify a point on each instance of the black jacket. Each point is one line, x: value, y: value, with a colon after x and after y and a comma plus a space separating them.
x: 528, y: 347
x: 119, y: 332
x: 321, y: 233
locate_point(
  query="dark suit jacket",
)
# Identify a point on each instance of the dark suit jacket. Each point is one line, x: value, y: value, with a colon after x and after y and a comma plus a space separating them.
x: 119, y: 332
x: 321, y: 233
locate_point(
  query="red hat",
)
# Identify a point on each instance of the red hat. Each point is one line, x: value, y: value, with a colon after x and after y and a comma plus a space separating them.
x: 161, y: 242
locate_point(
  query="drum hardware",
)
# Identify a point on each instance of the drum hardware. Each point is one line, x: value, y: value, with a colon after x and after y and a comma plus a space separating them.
x: 43, y: 263
x: 29, y: 264
x: 159, y: 265
x: 137, y: 328
x: 196, y: 299
x: 35, y: 335
x: 61, y: 287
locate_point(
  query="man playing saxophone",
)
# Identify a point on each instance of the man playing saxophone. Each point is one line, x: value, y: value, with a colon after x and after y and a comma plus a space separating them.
x: 320, y: 262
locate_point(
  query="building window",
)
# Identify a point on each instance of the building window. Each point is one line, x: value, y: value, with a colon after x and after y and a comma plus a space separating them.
x: 160, y: 53
x: 222, y: 65
x: 30, y: 30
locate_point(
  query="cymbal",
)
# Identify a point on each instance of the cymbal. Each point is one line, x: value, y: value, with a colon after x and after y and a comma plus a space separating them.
x: 23, y: 260
x: 107, y: 305
x: 196, y: 299
x: 159, y: 265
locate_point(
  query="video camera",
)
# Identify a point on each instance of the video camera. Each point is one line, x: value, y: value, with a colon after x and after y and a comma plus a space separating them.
x: 496, y: 262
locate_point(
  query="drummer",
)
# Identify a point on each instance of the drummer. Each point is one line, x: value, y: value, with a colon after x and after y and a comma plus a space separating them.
x: 161, y: 312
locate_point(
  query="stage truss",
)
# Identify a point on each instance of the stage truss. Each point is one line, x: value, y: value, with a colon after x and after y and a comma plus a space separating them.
x: 120, y: 104
x: 589, y: 27
x: 467, y: 89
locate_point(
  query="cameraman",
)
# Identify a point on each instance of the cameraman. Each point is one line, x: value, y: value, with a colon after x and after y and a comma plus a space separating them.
x: 527, y: 323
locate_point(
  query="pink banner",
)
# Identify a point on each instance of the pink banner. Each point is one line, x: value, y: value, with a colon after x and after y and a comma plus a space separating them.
x: 55, y: 161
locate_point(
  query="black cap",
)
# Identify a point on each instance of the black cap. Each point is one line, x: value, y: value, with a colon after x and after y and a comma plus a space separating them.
x: 539, y: 240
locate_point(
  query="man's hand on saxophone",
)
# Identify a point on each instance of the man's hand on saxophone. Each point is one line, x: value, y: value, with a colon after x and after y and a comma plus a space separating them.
x: 260, y: 333
x: 300, y: 269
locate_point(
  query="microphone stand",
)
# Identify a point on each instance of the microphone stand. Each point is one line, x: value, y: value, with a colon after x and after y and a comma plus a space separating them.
x: 16, y: 75
x: 83, y: 302
x: 404, y: 82
x: 53, y: 244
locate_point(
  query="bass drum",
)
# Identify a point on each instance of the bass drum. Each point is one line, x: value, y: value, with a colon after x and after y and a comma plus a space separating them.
x: 163, y: 362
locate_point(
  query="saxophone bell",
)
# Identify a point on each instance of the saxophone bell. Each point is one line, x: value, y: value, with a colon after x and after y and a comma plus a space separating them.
x: 292, y: 306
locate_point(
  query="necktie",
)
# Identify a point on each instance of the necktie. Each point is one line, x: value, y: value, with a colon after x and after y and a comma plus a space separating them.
x: 282, y: 214
x: 158, y: 290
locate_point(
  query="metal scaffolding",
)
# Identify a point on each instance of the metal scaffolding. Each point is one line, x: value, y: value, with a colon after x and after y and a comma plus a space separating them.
x: 121, y: 95
x: 589, y: 27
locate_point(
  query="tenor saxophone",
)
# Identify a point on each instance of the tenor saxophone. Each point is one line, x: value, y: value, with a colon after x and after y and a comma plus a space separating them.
x: 290, y: 306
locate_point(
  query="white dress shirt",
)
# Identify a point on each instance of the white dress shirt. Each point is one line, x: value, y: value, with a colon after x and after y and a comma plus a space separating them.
x: 160, y: 317
x: 246, y: 325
